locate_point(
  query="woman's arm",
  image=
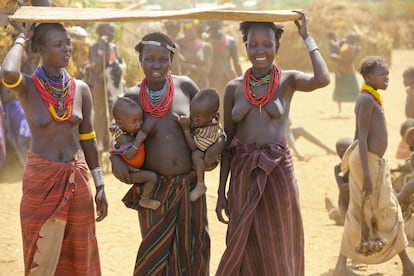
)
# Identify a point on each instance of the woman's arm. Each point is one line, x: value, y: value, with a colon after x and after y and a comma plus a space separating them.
x: 91, y: 151
x: 320, y: 77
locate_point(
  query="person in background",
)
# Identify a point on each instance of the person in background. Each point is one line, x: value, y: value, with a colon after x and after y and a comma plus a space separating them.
x: 172, y: 29
x: 197, y: 54
x: 57, y: 210
x: 225, y: 65
x: 2, y: 137
x: 105, y: 81
x: 346, y: 84
x: 293, y: 133
x: 265, y: 229
x: 373, y: 229
x: 337, y: 214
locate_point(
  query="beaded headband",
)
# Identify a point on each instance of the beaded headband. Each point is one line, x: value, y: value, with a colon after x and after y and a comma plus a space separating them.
x: 160, y: 44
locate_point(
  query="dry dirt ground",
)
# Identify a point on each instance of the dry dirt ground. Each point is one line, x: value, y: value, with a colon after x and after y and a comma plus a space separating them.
x: 118, y: 234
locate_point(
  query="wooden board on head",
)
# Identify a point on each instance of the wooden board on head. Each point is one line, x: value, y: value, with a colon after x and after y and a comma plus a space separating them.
x: 84, y: 15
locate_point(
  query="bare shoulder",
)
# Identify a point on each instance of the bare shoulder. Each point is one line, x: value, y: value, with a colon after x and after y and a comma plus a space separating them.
x: 82, y: 86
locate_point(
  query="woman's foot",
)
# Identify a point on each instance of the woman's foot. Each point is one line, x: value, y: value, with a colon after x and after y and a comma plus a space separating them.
x: 199, y: 190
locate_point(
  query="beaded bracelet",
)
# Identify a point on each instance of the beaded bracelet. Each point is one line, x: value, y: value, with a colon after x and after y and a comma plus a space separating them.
x: 311, y: 44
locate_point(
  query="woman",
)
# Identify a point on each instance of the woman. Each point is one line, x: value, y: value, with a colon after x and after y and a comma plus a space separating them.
x: 197, y: 53
x: 265, y: 231
x: 56, y: 211
x: 175, y: 238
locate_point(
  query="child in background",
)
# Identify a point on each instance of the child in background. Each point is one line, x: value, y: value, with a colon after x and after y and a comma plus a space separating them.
x: 202, y: 131
x: 374, y: 229
x: 342, y: 180
x: 408, y: 80
x: 128, y: 117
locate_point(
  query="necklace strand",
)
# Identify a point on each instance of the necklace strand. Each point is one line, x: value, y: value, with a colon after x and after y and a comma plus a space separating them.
x: 162, y: 106
x: 56, y: 92
x: 365, y: 88
x: 274, y: 81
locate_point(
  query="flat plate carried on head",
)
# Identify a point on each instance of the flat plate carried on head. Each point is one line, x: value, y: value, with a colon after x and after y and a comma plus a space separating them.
x: 84, y: 15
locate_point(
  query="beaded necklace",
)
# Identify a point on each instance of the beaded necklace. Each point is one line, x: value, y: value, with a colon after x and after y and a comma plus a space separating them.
x: 56, y: 92
x: 274, y: 81
x: 160, y: 103
x: 365, y: 88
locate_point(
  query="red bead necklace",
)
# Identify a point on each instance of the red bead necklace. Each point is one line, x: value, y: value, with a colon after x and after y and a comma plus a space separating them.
x: 163, y: 106
x: 274, y: 82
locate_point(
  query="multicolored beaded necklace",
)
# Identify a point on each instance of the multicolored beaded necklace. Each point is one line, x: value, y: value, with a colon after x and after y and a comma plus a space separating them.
x: 249, y: 80
x: 365, y: 88
x: 56, y: 92
x: 157, y: 103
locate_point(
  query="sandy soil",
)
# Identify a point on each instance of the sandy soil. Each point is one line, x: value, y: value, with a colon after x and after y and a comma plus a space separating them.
x: 119, y: 236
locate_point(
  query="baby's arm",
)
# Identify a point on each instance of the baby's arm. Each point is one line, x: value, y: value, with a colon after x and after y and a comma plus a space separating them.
x: 148, y: 125
x: 137, y: 142
x: 184, y: 122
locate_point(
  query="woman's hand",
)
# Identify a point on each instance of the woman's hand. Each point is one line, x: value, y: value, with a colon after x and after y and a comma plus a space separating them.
x: 222, y: 204
x: 303, y: 25
x: 101, y: 203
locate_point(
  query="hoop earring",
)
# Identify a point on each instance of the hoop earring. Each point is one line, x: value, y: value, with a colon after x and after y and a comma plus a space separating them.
x: 169, y: 72
x: 277, y: 56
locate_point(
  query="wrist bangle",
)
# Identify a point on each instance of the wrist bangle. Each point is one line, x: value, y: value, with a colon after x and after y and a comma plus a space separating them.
x: 134, y: 147
x: 98, y: 178
x: 311, y: 44
x: 20, y: 41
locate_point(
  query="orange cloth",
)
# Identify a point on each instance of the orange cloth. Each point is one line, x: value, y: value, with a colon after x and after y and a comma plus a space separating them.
x: 138, y: 160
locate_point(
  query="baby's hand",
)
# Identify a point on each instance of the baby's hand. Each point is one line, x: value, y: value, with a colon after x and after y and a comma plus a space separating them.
x: 183, y: 120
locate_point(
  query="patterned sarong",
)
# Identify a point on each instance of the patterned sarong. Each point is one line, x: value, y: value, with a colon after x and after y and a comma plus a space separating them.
x: 265, y: 231
x: 384, y: 205
x: 175, y: 239
x: 57, y: 218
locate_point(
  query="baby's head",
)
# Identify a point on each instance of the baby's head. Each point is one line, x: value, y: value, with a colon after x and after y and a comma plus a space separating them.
x: 408, y: 77
x: 342, y: 144
x: 128, y: 115
x: 204, y: 107
x: 409, y: 123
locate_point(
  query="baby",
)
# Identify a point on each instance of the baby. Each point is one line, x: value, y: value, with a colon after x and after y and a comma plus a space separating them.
x: 128, y: 117
x: 203, y: 131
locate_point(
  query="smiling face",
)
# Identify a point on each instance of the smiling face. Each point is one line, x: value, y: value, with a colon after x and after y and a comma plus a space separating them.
x: 55, y: 49
x: 261, y: 48
x: 155, y: 61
